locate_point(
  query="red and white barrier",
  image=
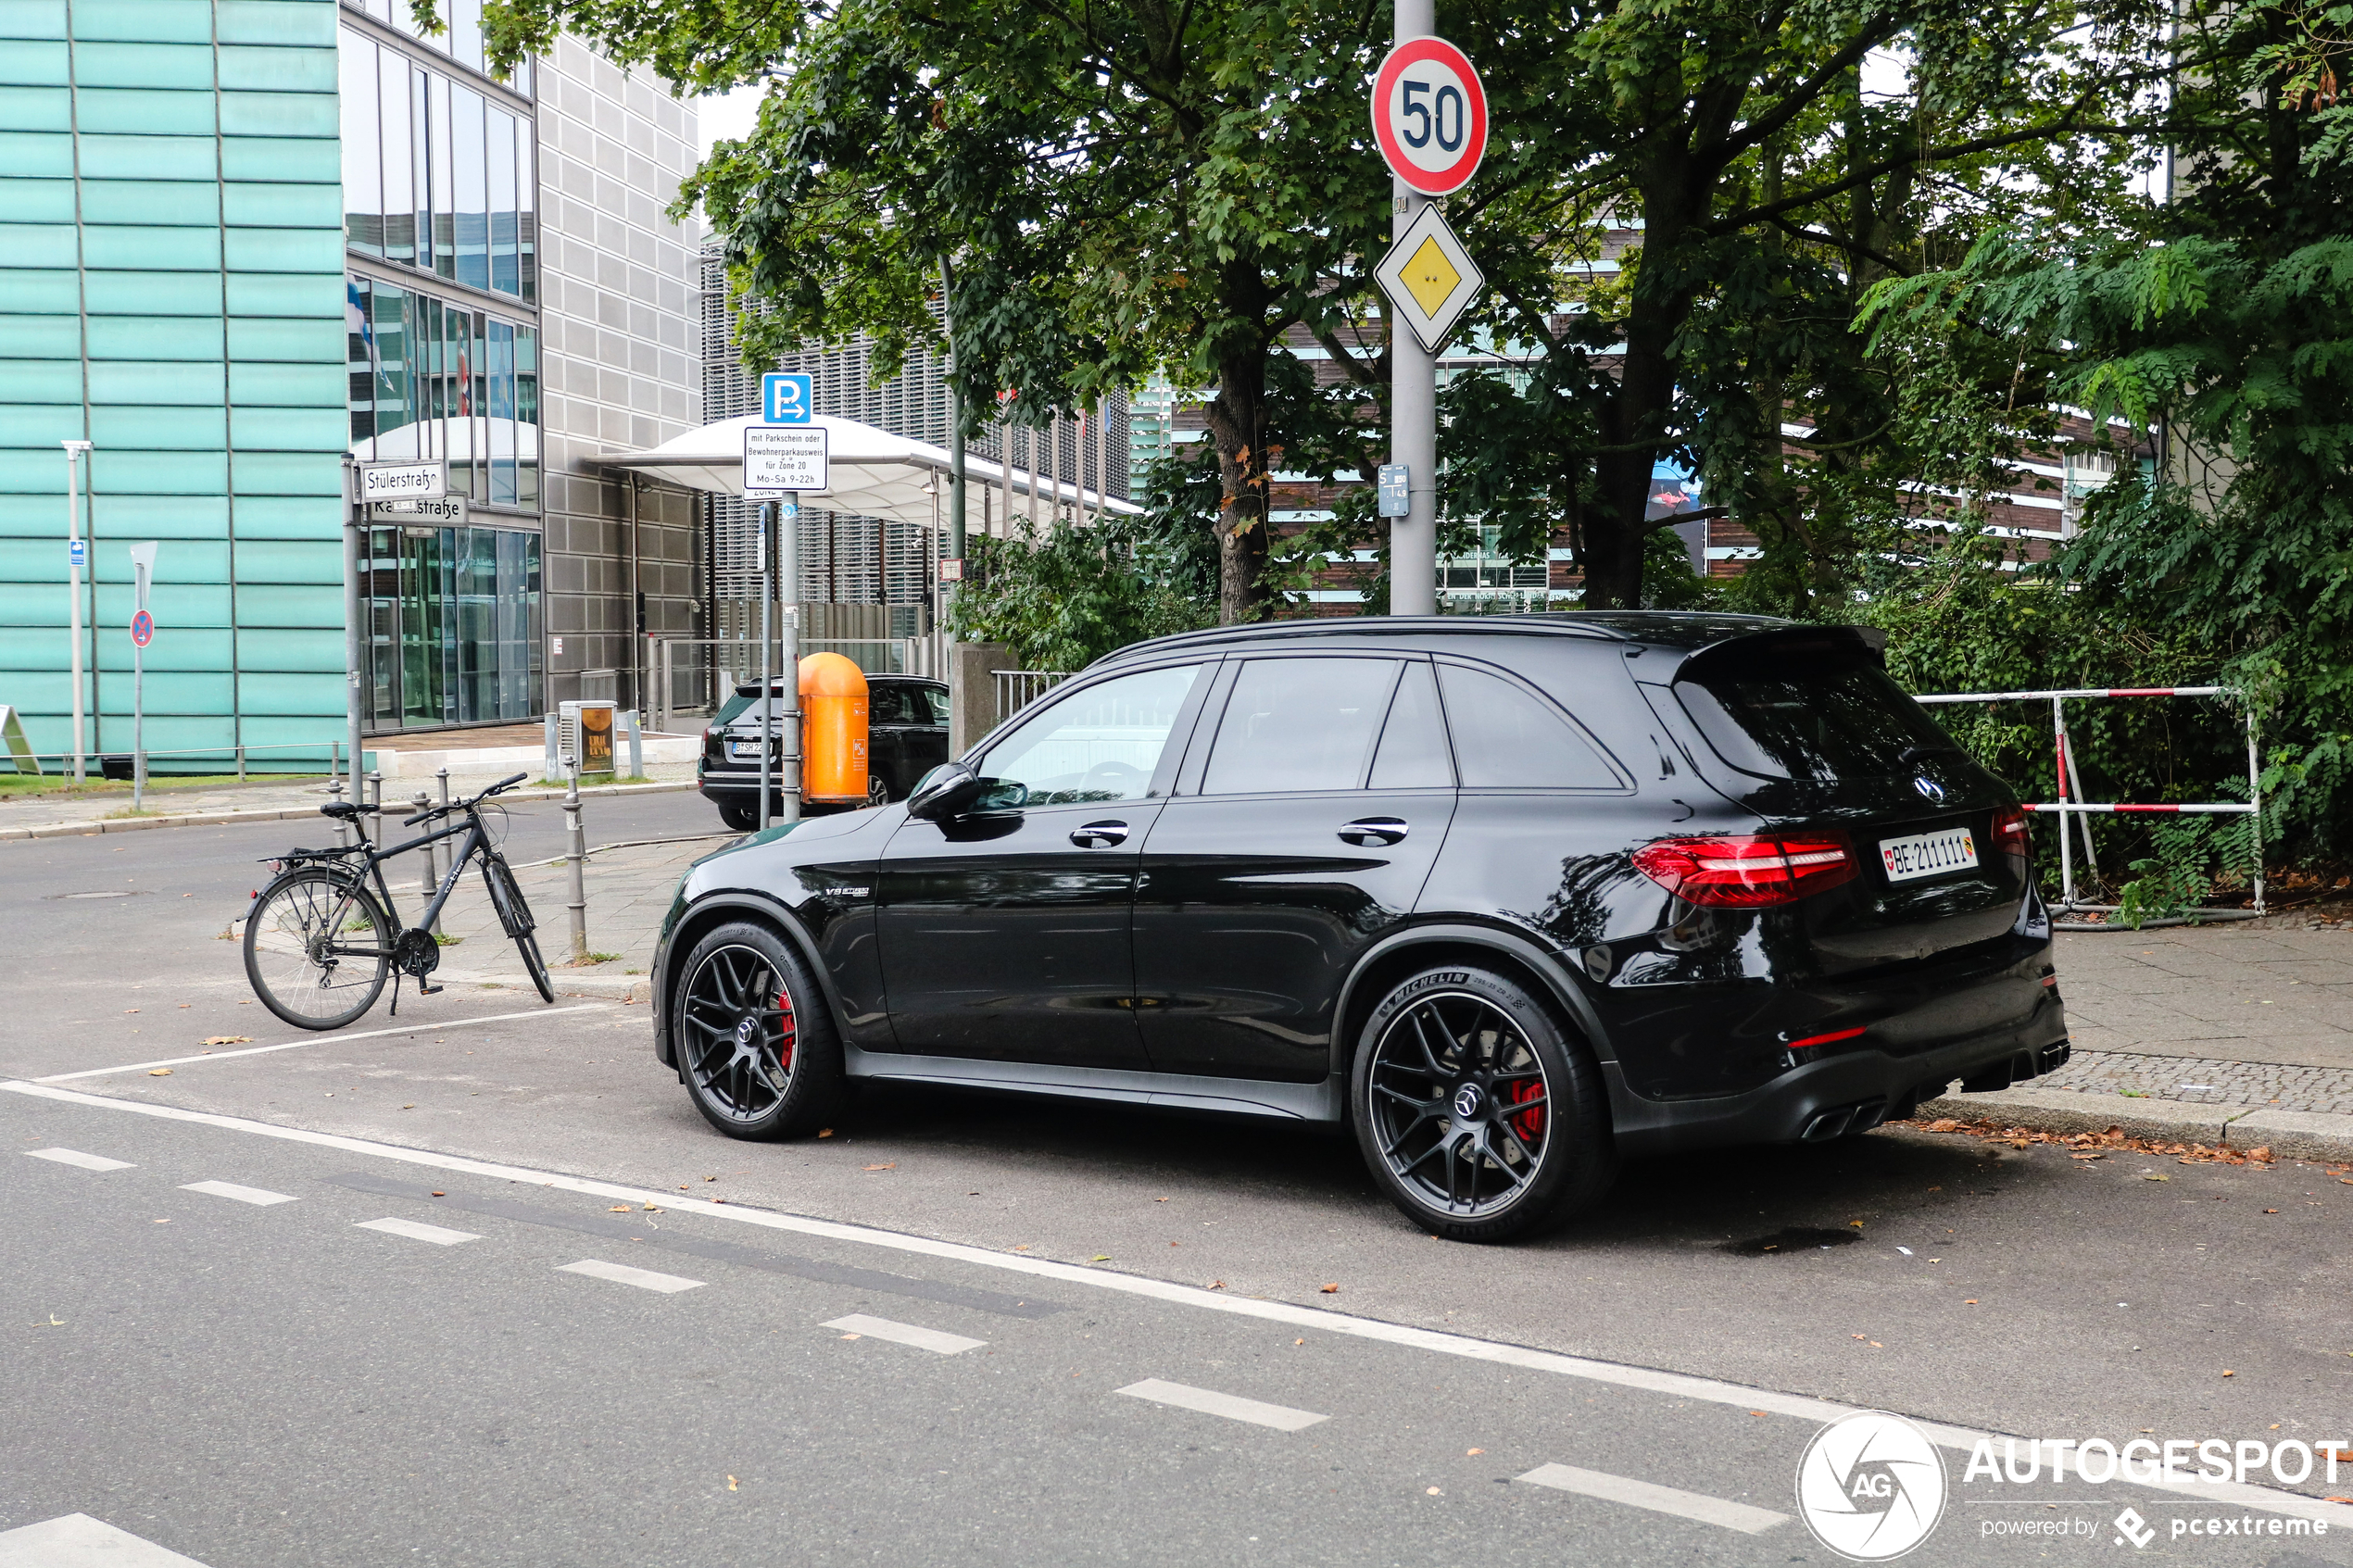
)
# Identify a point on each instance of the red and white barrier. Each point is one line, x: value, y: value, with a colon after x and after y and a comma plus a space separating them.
x: 2069, y: 779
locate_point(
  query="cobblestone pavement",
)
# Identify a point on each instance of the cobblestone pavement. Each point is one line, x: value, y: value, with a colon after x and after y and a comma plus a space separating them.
x: 2206, y: 1081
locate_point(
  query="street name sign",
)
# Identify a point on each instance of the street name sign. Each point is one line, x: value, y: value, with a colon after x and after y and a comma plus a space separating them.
x: 1429, y: 278
x: 782, y: 460
x: 785, y: 398
x: 442, y: 511
x: 402, y: 482
x: 1429, y: 116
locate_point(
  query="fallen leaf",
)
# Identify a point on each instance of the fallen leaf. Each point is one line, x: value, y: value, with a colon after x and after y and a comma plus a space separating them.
x: 706, y: 1178
x: 2230, y: 1375
x: 1217, y: 1285
x: 825, y: 1132
x: 1299, y: 1341
x: 892, y: 1166
x: 2342, y: 1456
x: 409, y: 1107
x: 1857, y: 1224
x: 1023, y: 1247
x: 227, y: 1039
x: 160, y: 1072
x: 2262, y: 1153
x: 1099, y: 1258
x: 2270, y: 1211
x: 731, y: 1483
x: 652, y: 1209
x: 1858, y: 1337
x: 55, y: 1321
x: 2337, y: 1499
x: 618, y: 1209
x: 1877, y: 1345
x: 1756, y: 1412
x: 1472, y: 1453
x: 441, y: 1195
x: 2153, y: 1177
x: 1331, y: 1290
x: 131, y: 1010
x: 854, y: 1337
x: 1970, y: 1302
x: 1432, y: 1492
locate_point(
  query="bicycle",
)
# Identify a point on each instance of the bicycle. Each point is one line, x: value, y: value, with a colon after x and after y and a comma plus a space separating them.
x: 334, y: 943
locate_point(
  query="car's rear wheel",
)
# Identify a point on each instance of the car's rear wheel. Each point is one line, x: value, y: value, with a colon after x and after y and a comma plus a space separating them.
x: 1478, y: 1113
x: 755, y: 1042
x: 742, y: 818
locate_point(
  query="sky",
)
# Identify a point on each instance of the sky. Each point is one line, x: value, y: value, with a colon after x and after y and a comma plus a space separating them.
x: 725, y: 116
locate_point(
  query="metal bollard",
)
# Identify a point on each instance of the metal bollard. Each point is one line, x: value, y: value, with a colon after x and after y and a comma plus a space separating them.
x: 343, y: 829
x: 578, y: 855
x: 241, y: 764
x: 376, y: 805
x: 442, y: 850
x: 427, y: 882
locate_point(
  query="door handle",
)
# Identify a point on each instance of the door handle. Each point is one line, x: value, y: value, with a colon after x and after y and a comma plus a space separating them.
x: 1366, y: 832
x: 1100, y: 835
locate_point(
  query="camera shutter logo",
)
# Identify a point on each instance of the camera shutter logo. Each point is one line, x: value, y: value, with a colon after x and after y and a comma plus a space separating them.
x: 1871, y: 1486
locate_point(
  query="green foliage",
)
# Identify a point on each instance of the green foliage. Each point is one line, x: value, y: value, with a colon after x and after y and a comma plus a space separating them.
x: 1069, y: 596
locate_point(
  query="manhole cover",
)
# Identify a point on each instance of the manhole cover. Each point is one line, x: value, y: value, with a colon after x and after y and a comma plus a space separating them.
x: 126, y: 893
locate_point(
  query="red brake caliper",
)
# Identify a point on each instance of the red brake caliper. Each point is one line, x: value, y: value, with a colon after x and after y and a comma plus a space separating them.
x: 1529, y: 1124
x: 787, y: 1032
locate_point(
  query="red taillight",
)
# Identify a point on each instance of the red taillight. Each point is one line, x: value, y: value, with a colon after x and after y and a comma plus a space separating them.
x: 2011, y: 838
x: 1747, y: 874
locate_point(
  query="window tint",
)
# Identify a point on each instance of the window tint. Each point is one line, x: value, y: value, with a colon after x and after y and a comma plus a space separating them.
x: 1506, y: 737
x: 1299, y: 724
x: 1825, y: 713
x: 887, y: 703
x: 733, y: 709
x: 1413, y: 752
x: 1100, y: 744
x: 937, y: 712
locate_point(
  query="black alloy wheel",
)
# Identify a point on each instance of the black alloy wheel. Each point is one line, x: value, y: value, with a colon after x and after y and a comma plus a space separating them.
x: 754, y: 1042
x: 1475, y: 1112
x: 877, y: 790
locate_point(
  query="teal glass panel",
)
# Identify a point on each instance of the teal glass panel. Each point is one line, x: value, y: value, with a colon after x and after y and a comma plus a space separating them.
x: 299, y: 340
x: 291, y: 561
x: 36, y: 245
x: 155, y: 337
x: 46, y: 154
x: 38, y: 337
x: 142, y: 21
x: 42, y: 381
x: 142, y: 65
x: 147, y: 158
x: 286, y: 294
x: 282, y: 516
x: 163, y: 429
x: 126, y: 111
x: 281, y: 206
x: 297, y: 430
x: 34, y: 291
x: 141, y: 382
x: 35, y: 109
x: 315, y: 161
x: 284, y: 250
x: 311, y: 23
x: 34, y: 471
x: 278, y: 114
x: 285, y: 386
x: 125, y: 245
x: 32, y: 19
x: 41, y: 424
x: 286, y: 473
x: 269, y: 647
x: 34, y: 65
x: 136, y: 516
x: 154, y: 294
x: 124, y: 472
x: 527, y: 417
x: 257, y: 69
x: 36, y: 201
x: 196, y: 202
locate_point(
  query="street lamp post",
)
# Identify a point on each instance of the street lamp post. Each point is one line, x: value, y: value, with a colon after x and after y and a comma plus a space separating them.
x: 75, y: 452
x: 1413, y: 401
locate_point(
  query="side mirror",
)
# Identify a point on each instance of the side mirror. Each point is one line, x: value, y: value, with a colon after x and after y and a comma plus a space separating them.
x: 946, y: 791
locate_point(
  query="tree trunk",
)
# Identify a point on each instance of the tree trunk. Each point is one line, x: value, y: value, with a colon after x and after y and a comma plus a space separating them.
x: 1237, y: 419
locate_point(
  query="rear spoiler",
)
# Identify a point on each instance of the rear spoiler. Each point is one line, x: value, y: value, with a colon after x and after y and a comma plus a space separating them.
x: 1868, y: 640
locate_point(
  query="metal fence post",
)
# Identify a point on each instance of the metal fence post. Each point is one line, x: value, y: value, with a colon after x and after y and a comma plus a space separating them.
x: 427, y: 884
x: 342, y: 828
x: 441, y: 850
x: 2255, y: 795
x: 2067, y: 846
x: 241, y: 764
x: 577, y: 853
x: 376, y: 804
x: 637, y: 746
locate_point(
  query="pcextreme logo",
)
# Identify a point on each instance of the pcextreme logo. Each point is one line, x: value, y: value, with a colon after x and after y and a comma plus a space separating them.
x: 1871, y: 1486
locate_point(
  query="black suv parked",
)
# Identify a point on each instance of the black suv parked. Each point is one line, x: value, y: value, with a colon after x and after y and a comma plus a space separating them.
x: 906, y: 737
x: 1511, y: 896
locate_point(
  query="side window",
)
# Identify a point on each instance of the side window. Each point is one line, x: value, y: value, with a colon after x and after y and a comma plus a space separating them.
x: 1508, y: 738
x: 1100, y: 744
x: 1299, y: 724
x: 936, y: 709
x: 1413, y: 752
x: 887, y: 703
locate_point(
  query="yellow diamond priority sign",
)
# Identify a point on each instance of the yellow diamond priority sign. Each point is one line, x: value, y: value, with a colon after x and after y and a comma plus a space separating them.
x: 1429, y: 278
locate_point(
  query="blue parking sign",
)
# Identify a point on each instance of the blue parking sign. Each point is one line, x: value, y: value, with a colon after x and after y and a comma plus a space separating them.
x: 784, y: 399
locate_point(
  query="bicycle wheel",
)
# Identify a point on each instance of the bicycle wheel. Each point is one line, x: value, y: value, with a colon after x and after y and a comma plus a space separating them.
x: 514, y: 918
x: 318, y: 947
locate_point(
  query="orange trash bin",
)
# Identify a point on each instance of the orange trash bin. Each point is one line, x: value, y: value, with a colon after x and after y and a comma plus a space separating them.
x: 833, y: 730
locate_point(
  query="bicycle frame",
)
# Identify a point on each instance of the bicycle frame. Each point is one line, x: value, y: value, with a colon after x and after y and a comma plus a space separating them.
x: 477, y: 842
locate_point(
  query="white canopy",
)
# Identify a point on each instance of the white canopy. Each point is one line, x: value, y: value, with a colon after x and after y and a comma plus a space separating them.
x: 873, y: 474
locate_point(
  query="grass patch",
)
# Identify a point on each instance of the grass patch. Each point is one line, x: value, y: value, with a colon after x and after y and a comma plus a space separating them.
x: 443, y: 939
x: 585, y: 960
x: 25, y: 785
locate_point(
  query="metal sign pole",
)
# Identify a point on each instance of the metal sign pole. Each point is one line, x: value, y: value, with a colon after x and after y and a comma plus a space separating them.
x: 788, y: 705
x: 354, y: 626
x: 143, y: 568
x: 75, y: 450
x: 1413, y: 401
x: 767, y: 647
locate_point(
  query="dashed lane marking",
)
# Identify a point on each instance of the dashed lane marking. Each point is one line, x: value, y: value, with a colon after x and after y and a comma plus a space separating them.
x: 75, y: 1157
x: 1671, y: 1385
x: 77, y: 1540
x: 260, y: 1198
x: 621, y: 1274
x: 1658, y: 1499
x: 319, y: 1040
x: 1233, y: 1407
x: 906, y: 1334
x: 440, y: 1235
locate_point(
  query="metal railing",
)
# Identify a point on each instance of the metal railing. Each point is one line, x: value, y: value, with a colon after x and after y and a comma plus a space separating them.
x: 230, y: 757
x: 2071, y: 804
x: 1016, y: 689
x: 696, y: 686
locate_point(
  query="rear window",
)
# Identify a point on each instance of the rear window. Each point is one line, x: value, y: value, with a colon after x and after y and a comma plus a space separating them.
x: 733, y: 709
x: 1824, y: 714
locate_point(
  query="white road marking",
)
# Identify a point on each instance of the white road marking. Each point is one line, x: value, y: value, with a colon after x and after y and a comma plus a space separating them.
x: 1233, y: 1407
x: 75, y: 1157
x: 621, y: 1274
x: 1674, y: 1385
x: 418, y: 1231
x: 1658, y: 1499
x: 320, y: 1039
x: 260, y: 1198
x: 78, y: 1541
x: 906, y: 1334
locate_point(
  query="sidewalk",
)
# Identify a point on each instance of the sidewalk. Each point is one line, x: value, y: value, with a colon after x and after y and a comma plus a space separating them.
x: 2232, y: 1034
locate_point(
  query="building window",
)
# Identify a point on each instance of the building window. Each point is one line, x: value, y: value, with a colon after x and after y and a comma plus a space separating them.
x: 435, y: 176
x: 453, y: 625
x: 430, y: 378
x: 1487, y: 582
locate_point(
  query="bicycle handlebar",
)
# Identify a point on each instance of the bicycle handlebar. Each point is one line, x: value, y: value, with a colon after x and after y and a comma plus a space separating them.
x: 426, y: 816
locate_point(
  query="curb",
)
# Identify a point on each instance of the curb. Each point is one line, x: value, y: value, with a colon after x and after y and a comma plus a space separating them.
x: 99, y: 825
x: 2295, y: 1134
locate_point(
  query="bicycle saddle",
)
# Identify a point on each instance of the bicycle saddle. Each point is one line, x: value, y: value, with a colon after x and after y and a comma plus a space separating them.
x: 339, y: 809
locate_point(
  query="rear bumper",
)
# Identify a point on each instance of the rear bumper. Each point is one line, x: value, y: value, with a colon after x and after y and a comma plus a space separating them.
x: 1849, y: 1092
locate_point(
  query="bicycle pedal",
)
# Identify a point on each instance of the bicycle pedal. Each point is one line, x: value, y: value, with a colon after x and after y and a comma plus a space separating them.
x: 426, y: 990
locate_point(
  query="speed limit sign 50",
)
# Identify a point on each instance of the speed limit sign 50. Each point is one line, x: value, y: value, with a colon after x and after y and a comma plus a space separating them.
x: 1429, y: 116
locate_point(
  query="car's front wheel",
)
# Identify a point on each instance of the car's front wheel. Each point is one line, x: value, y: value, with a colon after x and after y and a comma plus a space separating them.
x: 755, y: 1044
x: 1478, y: 1113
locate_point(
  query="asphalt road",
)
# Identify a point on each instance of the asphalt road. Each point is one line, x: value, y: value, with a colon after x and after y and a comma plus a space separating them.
x: 252, y: 1384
